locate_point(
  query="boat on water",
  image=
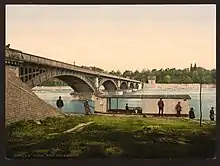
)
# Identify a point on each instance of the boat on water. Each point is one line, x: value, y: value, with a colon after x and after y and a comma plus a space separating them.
x: 148, y: 104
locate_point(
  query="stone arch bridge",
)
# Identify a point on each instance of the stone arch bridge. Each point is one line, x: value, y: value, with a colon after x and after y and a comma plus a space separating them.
x: 34, y: 70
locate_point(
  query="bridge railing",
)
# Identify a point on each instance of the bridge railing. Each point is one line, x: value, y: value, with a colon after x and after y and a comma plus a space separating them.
x: 49, y: 62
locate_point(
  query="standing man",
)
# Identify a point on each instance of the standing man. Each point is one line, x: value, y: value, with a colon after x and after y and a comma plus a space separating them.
x: 126, y: 108
x: 87, y: 108
x: 178, y: 109
x: 160, y: 106
x: 211, y: 114
x: 59, y: 103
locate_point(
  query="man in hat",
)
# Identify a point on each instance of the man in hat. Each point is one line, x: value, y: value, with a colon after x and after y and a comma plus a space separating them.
x: 59, y: 103
x: 160, y: 106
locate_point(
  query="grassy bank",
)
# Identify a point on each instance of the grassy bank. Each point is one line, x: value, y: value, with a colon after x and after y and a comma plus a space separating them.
x: 135, y: 137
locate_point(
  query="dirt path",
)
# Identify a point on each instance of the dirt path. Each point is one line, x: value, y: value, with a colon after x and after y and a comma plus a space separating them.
x: 118, y: 115
x: 79, y: 127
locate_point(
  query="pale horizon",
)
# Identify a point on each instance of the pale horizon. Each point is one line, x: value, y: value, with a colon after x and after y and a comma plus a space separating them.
x: 116, y: 37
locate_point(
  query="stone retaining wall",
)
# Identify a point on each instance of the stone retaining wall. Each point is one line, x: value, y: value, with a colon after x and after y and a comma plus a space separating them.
x: 21, y: 103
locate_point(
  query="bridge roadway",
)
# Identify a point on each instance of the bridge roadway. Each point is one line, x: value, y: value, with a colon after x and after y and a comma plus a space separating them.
x: 34, y: 70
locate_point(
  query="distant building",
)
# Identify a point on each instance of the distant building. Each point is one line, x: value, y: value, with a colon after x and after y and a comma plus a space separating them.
x: 151, y: 79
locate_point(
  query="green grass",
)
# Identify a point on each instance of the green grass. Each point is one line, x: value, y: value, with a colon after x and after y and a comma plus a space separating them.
x: 134, y: 137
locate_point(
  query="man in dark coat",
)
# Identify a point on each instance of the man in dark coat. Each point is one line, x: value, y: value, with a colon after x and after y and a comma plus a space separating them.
x: 191, y: 114
x: 59, y: 103
x: 126, y: 108
x: 178, y: 109
x: 160, y: 106
x: 87, y: 108
x: 212, y: 113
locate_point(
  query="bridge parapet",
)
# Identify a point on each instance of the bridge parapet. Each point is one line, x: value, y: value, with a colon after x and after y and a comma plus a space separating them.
x: 33, y: 59
x: 35, y: 69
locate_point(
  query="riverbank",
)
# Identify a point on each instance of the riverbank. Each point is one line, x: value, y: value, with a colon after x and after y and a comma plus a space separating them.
x: 109, y: 136
x: 50, y: 96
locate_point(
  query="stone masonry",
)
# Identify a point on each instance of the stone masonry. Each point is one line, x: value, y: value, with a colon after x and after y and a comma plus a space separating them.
x: 22, y: 104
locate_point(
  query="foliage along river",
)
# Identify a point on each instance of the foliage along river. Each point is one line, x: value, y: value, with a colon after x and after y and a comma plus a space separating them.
x: 51, y: 94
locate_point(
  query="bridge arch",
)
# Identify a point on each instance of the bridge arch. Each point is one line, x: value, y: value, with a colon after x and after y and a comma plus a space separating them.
x: 136, y: 86
x: 124, y: 86
x: 79, y: 83
x: 131, y: 86
x: 109, y: 84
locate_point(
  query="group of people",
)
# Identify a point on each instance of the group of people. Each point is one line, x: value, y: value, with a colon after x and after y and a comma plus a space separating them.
x: 211, y: 114
x: 60, y: 105
x: 160, y: 104
x: 178, y: 109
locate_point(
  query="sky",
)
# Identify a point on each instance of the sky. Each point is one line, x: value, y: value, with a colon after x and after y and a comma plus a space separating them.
x: 121, y: 38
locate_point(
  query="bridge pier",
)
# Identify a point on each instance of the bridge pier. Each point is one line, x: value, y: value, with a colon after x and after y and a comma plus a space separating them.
x: 118, y: 85
x: 129, y: 83
x: 97, y: 84
x: 139, y: 86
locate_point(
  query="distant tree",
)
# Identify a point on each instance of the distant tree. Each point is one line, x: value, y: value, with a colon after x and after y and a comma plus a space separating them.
x: 167, y: 79
x: 188, y: 80
x: 54, y: 82
x: 193, y: 74
x: 128, y: 74
x: 213, y: 75
x: 118, y: 73
x: 138, y: 76
x: 112, y: 72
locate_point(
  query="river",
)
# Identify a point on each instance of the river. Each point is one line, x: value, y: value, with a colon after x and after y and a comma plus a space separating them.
x: 51, y: 94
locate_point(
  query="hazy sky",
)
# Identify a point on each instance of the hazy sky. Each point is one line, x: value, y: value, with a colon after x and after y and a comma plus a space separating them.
x: 116, y: 37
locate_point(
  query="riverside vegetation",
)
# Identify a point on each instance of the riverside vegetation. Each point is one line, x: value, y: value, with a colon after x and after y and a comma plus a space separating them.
x: 190, y: 75
x: 112, y: 136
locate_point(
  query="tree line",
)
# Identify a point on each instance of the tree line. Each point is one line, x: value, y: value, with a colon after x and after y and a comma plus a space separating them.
x: 190, y: 75
x: 54, y: 82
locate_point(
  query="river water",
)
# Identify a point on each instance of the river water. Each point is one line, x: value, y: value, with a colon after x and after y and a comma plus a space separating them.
x: 51, y: 94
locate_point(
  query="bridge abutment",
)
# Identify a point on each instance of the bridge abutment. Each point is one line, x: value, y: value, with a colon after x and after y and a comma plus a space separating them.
x: 139, y: 86
x: 97, y: 84
x: 15, y: 69
x: 129, y: 84
x: 118, y: 85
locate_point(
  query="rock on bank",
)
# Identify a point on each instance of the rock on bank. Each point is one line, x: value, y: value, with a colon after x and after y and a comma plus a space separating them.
x: 21, y: 103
